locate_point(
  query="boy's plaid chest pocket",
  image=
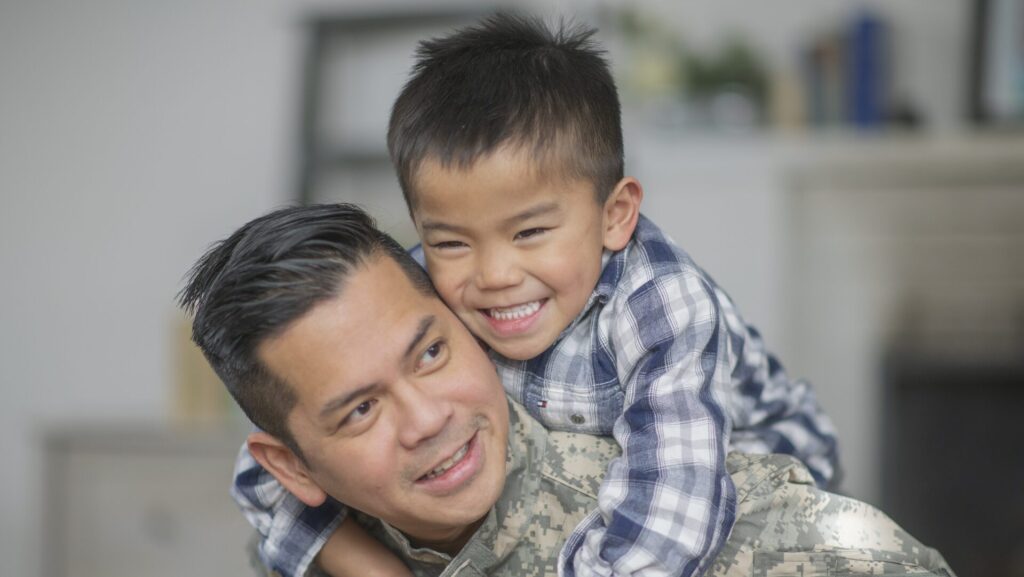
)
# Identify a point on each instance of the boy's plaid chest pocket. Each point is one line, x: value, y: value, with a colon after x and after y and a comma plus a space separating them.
x: 583, y: 405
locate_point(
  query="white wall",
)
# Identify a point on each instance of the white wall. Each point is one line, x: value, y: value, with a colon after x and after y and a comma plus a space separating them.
x: 132, y: 134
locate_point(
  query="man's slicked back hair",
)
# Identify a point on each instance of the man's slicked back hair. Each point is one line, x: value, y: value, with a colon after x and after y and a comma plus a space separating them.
x: 269, y: 273
x: 510, y: 81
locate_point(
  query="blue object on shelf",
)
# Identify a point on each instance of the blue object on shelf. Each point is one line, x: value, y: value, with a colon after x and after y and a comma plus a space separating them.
x: 867, y: 70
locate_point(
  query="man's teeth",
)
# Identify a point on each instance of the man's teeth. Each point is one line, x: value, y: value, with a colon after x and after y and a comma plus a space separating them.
x: 449, y: 463
x: 516, y: 312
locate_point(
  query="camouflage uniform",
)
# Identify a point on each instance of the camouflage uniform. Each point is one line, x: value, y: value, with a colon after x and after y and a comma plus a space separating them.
x: 785, y: 525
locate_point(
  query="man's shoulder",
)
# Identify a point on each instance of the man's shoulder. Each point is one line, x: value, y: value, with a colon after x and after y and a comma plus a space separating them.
x: 758, y: 474
x: 578, y: 462
x: 652, y: 273
x: 571, y: 465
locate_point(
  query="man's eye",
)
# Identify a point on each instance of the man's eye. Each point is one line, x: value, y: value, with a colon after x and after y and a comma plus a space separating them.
x: 361, y: 411
x: 431, y: 355
x: 530, y: 232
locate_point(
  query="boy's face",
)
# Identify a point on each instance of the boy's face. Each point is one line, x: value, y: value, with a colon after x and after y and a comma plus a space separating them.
x: 515, y: 254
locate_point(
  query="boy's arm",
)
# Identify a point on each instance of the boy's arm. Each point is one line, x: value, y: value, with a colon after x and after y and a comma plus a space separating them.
x: 667, y: 505
x: 777, y: 414
x: 292, y: 534
x: 352, y: 552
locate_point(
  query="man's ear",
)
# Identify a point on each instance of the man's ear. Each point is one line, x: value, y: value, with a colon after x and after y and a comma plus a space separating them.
x: 621, y: 212
x: 286, y: 467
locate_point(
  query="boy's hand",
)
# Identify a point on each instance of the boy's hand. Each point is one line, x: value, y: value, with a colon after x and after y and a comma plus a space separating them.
x: 352, y: 552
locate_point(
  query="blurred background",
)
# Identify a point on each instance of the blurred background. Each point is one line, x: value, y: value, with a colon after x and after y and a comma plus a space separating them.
x: 851, y: 172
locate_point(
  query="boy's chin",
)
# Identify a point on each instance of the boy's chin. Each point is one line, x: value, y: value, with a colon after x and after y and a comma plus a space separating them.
x: 516, y: 351
x: 522, y: 347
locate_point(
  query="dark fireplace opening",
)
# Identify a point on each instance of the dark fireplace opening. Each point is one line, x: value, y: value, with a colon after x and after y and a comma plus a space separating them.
x: 953, y: 454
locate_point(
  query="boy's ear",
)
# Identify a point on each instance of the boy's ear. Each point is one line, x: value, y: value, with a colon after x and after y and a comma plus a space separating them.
x: 286, y: 467
x: 621, y: 213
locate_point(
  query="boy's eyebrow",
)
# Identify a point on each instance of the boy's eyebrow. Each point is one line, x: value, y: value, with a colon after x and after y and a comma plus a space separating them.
x: 534, y: 211
x: 344, y: 399
x: 436, y: 225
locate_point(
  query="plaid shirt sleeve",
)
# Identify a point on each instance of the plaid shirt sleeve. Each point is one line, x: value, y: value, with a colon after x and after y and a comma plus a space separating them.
x: 774, y: 413
x: 668, y: 504
x: 291, y: 534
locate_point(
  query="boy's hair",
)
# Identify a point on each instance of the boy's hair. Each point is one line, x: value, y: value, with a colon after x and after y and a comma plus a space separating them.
x: 269, y: 273
x: 510, y: 80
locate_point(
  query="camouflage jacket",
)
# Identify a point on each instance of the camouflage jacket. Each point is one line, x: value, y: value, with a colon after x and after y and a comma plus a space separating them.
x: 550, y: 486
x: 785, y: 525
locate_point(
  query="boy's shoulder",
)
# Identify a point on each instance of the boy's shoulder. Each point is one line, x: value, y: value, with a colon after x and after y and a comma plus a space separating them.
x: 649, y: 256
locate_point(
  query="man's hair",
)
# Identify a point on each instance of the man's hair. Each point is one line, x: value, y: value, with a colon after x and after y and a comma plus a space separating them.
x: 269, y: 273
x: 510, y: 81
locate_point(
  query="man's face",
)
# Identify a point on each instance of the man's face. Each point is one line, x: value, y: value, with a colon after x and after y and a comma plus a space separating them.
x: 400, y: 414
x: 514, y: 253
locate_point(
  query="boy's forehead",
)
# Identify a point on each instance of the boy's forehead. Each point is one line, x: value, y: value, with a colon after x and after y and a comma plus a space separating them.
x: 539, y: 165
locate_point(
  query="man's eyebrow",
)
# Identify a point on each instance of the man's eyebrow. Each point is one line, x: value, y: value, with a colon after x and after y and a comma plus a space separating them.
x: 340, y: 401
x: 533, y: 211
x: 421, y: 331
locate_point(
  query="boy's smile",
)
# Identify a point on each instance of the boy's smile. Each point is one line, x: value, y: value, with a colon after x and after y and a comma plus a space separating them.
x: 516, y: 254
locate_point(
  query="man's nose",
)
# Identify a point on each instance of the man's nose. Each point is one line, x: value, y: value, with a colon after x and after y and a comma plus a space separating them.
x: 497, y: 268
x: 423, y: 414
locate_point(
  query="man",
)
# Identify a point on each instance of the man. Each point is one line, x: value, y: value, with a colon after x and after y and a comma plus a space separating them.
x: 368, y: 390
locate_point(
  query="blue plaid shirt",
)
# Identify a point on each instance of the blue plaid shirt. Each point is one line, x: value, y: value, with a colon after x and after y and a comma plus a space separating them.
x: 660, y: 359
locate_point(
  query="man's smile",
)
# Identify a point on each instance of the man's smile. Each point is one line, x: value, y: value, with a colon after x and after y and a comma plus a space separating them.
x: 456, y: 471
x: 448, y: 463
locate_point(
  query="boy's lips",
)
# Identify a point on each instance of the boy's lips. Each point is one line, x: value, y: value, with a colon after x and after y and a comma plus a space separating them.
x: 514, y: 312
x: 512, y: 320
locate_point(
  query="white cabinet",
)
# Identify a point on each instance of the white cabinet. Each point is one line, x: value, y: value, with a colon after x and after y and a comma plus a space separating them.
x: 142, y: 501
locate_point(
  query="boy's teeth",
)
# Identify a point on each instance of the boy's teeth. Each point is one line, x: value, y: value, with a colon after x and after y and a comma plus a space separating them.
x: 449, y: 463
x: 516, y: 312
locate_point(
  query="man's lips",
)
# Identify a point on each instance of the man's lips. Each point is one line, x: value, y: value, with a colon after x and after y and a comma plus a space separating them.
x: 448, y: 463
x: 452, y: 473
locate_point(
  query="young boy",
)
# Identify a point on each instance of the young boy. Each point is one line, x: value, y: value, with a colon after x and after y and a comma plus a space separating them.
x: 508, y: 147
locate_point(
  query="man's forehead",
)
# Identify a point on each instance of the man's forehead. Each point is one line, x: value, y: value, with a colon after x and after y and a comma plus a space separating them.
x: 375, y: 302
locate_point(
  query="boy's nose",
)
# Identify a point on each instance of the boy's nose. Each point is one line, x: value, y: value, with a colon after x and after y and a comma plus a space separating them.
x: 497, y: 269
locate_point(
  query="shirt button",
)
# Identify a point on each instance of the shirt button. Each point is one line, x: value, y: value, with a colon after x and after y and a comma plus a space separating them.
x: 577, y: 419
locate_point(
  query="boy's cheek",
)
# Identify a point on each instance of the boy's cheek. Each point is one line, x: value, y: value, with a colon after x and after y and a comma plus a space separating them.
x: 447, y: 283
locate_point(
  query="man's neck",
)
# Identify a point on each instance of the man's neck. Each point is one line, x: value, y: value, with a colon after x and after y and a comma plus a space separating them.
x: 448, y: 545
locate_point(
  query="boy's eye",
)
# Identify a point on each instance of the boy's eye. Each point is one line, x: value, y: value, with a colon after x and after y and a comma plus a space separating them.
x: 431, y: 355
x: 530, y: 232
x: 448, y: 244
